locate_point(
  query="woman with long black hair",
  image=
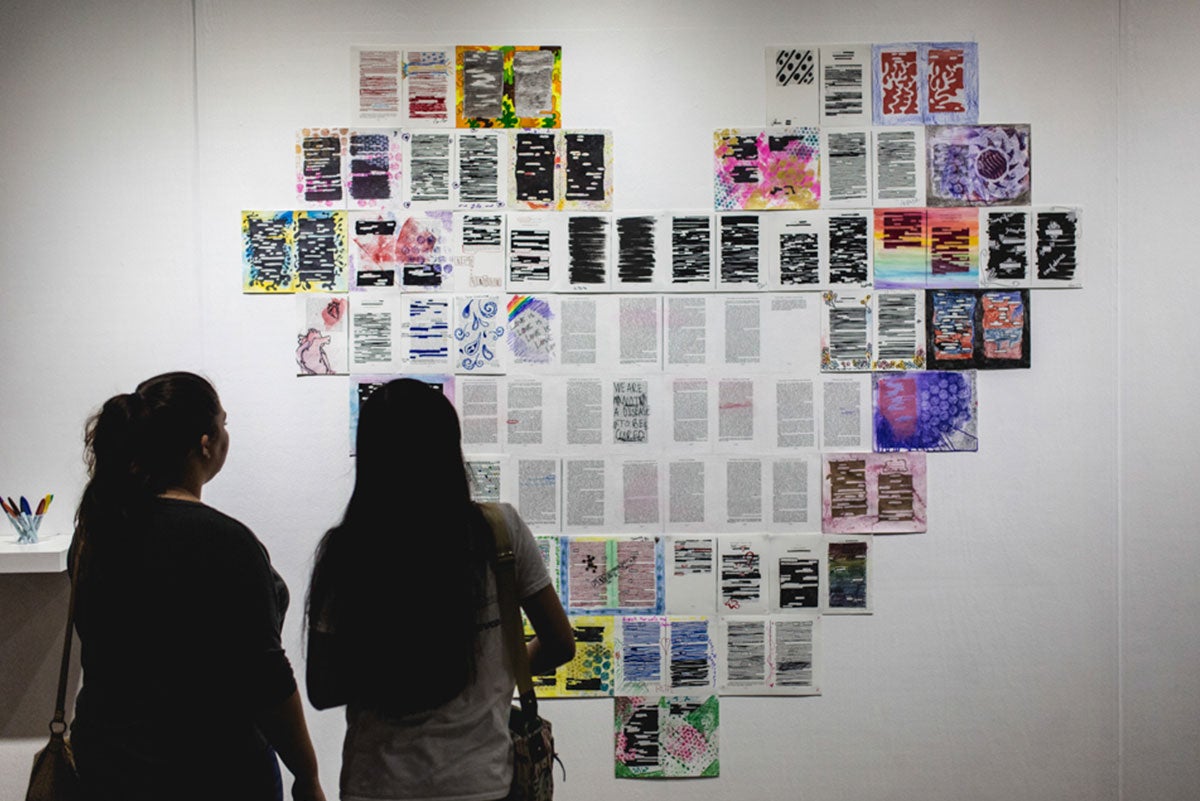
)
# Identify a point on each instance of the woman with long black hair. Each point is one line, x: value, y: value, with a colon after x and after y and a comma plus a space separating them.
x: 187, y: 692
x: 403, y: 622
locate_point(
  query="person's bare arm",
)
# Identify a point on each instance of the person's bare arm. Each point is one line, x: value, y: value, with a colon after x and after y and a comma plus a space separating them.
x: 285, y: 729
x: 555, y: 640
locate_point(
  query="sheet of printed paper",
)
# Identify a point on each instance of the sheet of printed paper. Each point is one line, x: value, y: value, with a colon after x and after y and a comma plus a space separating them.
x: 587, y: 170
x: 742, y: 577
x: 978, y: 165
x: 480, y: 243
x: 694, y: 501
x: 320, y: 167
x: 849, y: 262
x: 373, y: 253
x: 845, y: 85
x: 1057, y: 235
x: 1005, y: 247
x: 845, y: 412
x: 690, y: 573
x: 739, y: 343
x: 374, y: 334
x: 798, y: 567
x: 693, y: 423
x: 533, y: 415
x: 953, y: 248
x: 481, y: 169
x: 537, y: 256
x: 587, y: 494
x: 481, y: 403
x: 740, y: 422
x: 873, y: 493
x: 899, y: 167
x: 689, y: 322
x: 790, y: 331
x: 663, y: 655
x: 509, y: 86
x: 429, y: 163
x: 427, y: 99
x: 478, y: 333
x: 322, y: 257
x: 638, y: 493
x: 537, y: 493
x: 850, y: 576
x: 641, y: 251
x: 636, y: 344
x: 534, y: 331
x: 793, y: 494
x: 793, y: 243
x: 612, y: 575
x: 533, y: 163
x: 486, y: 474
x: 589, y: 252
x: 268, y: 251
x: 691, y: 252
x: 425, y: 338
x: 767, y: 168
x: 899, y: 335
x: 321, y: 342
x: 375, y: 168
x: 934, y: 410
x: 741, y: 488
x: 588, y: 345
x: 792, y: 85
x: 847, y: 168
x: 846, y: 329
x: 375, y: 84
x: 769, y: 655
x: 590, y: 673
x: 793, y: 413
x: 667, y: 737
x: 902, y: 248
x: 740, y: 264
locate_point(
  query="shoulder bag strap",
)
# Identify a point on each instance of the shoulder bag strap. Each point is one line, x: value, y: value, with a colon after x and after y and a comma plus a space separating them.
x: 58, y: 725
x: 510, y: 614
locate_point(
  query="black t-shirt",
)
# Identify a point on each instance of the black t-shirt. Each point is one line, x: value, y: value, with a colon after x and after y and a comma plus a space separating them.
x: 179, y: 620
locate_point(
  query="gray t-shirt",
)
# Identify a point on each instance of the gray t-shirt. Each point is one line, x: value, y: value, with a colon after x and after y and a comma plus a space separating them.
x: 459, y: 751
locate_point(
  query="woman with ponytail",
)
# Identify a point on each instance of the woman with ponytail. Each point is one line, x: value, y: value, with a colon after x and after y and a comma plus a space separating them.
x: 187, y: 692
x: 403, y: 621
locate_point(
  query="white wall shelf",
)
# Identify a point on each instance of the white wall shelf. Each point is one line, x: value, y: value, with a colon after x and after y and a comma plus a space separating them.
x: 47, y: 555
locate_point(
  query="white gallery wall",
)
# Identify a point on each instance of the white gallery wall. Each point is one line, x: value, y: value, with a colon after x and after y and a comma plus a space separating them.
x: 1040, y: 641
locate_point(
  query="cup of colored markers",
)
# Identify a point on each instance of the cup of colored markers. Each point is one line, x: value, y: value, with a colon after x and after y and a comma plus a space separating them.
x: 25, y: 519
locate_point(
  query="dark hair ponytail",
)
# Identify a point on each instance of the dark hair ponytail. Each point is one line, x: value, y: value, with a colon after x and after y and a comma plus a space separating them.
x: 137, y: 445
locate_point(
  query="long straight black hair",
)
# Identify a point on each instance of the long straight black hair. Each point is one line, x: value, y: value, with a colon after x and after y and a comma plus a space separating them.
x: 135, y: 447
x: 398, y: 581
